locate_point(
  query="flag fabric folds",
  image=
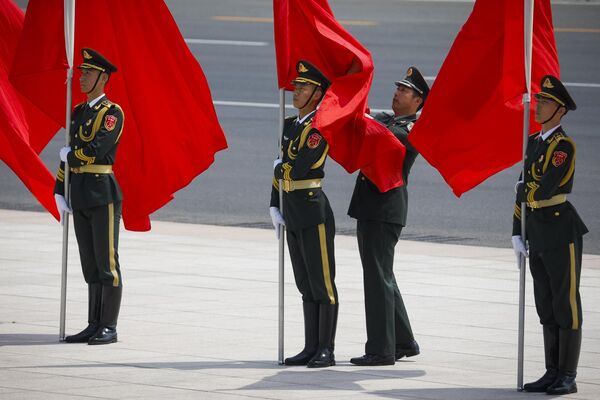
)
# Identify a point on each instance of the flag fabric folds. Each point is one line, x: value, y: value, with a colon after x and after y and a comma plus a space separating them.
x: 472, y: 124
x: 308, y: 30
x: 19, y: 119
x: 171, y: 131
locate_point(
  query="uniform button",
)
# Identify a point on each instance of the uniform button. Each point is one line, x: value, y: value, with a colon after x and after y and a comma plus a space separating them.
x: 97, y: 175
x: 310, y: 193
x: 528, y: 172
x: 293, y: 148
x: 75, y: 147
x: 75, y: 135
x: 557, y: 214
x: 362, y: 178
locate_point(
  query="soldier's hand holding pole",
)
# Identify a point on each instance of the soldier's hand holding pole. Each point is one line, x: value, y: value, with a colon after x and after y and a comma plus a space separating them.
x: 277, y: 220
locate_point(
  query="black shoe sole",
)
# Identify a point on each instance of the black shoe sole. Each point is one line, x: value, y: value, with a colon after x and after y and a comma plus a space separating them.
x: 331, y: 364
x: 93, y: 343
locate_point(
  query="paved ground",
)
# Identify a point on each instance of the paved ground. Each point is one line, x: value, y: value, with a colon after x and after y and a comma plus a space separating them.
x: 199, y: 321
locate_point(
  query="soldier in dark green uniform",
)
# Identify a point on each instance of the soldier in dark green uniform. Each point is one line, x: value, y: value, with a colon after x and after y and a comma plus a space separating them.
x: 554, y: 232
x: 95, y: 197
x: 380, y: 219
x: 309, y: 221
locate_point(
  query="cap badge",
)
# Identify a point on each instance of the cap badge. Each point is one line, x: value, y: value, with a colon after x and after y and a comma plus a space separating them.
x: 86, y: 55
x: 409, y: 72
x: 302, y: 68
x: 548, y: 84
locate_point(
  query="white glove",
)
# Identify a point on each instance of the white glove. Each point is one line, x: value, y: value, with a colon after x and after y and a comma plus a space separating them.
x: 63, y: 153
x: 62, y: 206
x: 276, y: 163
x: 517, y: 186
x: 519, y: 247
x: 277, y: 219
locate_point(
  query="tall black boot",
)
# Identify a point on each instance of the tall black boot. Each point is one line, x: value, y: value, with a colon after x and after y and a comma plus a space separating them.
x: 311, y: 335
x: 327, y: 319
x: 94, y: 302
x: 111, y: 303
x: 551, y: 356
x: 569, y: 342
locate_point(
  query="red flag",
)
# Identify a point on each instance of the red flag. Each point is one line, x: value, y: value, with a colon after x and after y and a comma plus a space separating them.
x: 308, y: 30
x: 171, y: 130
x: 18, y: 118
x: 472, y: 124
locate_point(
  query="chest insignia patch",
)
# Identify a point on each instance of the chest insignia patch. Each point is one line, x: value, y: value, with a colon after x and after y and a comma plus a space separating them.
x: 558, y: 158
x: 313, y: 140
x: 110, y: 121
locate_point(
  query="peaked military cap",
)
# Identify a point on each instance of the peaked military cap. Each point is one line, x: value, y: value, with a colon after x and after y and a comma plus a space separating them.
x: 308, y: 73
x: 552, y: 88
x: 415, y: 81
x: 94, y: 60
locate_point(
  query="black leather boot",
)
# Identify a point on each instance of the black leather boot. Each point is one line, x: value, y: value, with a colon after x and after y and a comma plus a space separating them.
x: 94, y: 302
x: 311, y: 335
x: 569, y: 346
x: 551, y: 357
x: 327, y: 319
x: 407, y: 350
x: 111, y: 303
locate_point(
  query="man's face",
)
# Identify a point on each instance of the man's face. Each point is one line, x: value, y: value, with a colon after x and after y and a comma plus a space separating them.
x: 87, y: 79
x: 405, y: 100
x: 302, y: 92
x: 544, y: 108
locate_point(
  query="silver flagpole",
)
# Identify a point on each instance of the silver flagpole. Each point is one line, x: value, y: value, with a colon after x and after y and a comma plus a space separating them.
x: 69, y: 22
x: 281, y: 232
x: 528, y: 14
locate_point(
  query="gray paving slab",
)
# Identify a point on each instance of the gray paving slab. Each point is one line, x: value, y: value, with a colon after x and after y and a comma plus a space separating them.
x: 199, y: 320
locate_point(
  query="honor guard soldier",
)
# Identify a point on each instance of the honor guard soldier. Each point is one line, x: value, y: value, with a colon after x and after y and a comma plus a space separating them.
x: 309, y: 221
x: 95, y: 197
x: 554, y: 232
x: 380, y: 219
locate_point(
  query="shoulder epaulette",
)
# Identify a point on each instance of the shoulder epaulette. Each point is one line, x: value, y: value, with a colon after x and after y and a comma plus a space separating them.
x: 558, y: 136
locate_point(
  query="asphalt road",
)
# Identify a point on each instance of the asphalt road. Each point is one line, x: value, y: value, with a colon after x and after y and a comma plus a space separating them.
x: 235, y: 190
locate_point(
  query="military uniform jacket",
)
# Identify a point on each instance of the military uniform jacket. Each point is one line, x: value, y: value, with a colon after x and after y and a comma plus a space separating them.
x: 550, y: 169
x: 368, y: 203
x: 94, y: 137
x: 304, y: 153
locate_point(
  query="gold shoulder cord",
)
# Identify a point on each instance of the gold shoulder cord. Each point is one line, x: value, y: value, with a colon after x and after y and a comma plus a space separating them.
x: 95, y: 127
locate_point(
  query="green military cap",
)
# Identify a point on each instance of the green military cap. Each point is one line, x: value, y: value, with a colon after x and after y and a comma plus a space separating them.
x: 415, y: 81
x: 308, y: 73
x: 552, y: 88
x: 94, y: 60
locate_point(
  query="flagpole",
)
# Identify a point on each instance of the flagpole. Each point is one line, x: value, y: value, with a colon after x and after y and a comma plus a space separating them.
x: 69, y: 23
x: 522, y: 260
x: 281, y: 233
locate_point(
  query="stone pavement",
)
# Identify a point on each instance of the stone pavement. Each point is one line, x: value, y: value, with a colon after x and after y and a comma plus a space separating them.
x: 199, y: 321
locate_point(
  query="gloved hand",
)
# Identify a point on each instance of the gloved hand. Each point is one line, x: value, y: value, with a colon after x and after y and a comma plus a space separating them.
x: 62, y: 206
x: 63, y: 153
x: 517, y: 186
x: 519, y: 247
x: 276, y: 162
x: 277, y: 219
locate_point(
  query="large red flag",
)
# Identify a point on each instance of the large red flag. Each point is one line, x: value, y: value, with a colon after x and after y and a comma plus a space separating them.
x: 171, y: 130
x: 18, y: 117
x: 308, y: 30
x: 472, y: 124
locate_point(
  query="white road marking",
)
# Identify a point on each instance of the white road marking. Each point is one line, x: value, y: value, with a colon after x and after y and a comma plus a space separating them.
x: 226, y: 42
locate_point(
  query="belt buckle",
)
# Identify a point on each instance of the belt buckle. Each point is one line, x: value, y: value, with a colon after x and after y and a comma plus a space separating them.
x: 286, y: 185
